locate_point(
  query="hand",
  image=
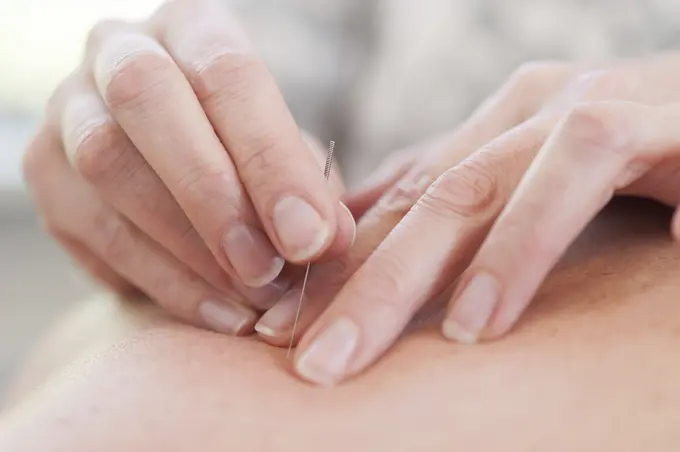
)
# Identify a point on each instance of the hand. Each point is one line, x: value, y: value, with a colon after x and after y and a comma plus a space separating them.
x: 492, y: 207
x: 169, y: 162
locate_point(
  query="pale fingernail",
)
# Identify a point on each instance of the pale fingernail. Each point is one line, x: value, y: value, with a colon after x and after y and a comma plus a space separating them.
x: 265, y: 297
x: 302, y: 231
x: 472, y: 310
x: 354, y: 224
x: 225, y: 317
x: 251, y: 254
x: 279, y: 319
x: 325, y: 361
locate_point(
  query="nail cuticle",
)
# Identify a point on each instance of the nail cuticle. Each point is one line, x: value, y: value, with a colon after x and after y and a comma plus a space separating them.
x: 472, y: 308
x: 252, y: 256
x: 300, y: 228
x: 326, y: 360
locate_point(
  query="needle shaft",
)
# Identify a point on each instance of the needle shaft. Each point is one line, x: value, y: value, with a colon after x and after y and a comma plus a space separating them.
x: 326, y: 174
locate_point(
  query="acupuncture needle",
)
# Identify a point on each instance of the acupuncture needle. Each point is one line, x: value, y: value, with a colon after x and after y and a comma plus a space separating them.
x: 326, y: 175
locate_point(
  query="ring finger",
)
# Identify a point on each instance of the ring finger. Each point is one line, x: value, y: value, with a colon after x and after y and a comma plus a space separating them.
x: 74, y: 208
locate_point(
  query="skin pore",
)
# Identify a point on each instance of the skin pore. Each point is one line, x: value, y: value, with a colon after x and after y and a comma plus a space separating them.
x: 592, y: 367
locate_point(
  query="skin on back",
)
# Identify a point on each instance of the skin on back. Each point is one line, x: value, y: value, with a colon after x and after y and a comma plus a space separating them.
x: 592, y: 367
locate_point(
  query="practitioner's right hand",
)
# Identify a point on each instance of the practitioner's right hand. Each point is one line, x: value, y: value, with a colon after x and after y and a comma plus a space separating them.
x: 169, y: 163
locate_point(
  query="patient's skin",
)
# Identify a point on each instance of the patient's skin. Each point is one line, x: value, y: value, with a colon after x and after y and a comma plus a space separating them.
x: 592, y: 367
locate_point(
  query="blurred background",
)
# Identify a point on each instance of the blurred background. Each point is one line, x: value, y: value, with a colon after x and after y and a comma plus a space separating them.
x: 373, y: 75
x: 41, y: 41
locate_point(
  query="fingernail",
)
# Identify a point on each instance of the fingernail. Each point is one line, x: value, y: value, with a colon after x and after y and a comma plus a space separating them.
x: 354, y: 224
x: 251, y: 254
x: 279, y: 319
x: 472, y: 309
x: 324, y: 362
x: 265, y: 297
x: 225, y: 317
x: 302, y: 231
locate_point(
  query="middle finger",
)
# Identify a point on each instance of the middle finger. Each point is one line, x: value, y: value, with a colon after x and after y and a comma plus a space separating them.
x: 155, y: 105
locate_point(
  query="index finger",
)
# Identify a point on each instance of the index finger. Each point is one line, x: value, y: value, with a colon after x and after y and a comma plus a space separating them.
x: 240, y: 97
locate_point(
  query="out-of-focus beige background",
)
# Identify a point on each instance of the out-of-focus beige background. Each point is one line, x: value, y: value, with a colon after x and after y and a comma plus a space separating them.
x: 40, y: 42
x: 371, y: 75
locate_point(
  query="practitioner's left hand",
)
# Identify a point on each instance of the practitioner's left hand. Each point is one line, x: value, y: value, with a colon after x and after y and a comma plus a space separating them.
x: 491, y: 207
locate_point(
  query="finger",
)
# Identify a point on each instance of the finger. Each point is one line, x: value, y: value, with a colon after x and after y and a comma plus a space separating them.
x: 156, y: 107
x: 248, y: 112
x: 73, y: 208
x: 94, y: 266
x: 417, y: 260
x: 509, y: 107
x: 390, y: 171
x: 596, y: 149
x: 100, y: 151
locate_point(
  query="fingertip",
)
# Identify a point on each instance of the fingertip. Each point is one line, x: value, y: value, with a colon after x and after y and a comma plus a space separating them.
x: 303, y: 233
x: 276, y: 324
x: 264, y: 331
x: 345, y: 234
x: 326, y: 358
x: 502, y: 322
x: 227, y: 317
x: 456, y: 333
x: 271, y: 336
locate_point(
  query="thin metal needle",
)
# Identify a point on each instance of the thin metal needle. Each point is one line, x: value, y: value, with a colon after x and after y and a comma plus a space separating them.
x: 326, y: 174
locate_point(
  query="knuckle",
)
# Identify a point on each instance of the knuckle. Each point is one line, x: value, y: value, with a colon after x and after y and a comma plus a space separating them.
x: 98, y: 152
x: 226, y: 77
x: 466, y: 190
x: 261, y: 162
x: 597, y: 84
x: 596, y: 126
x: 405, y: 193
x: 136, y: 78
x: 207, y: 189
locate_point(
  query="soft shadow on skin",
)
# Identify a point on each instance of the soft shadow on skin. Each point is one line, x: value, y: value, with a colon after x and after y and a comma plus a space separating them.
x: 610, y: 251
x: 613, y: 236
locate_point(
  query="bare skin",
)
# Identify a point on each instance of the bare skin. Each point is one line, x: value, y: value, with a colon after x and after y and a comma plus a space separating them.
x: 591, y: 367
